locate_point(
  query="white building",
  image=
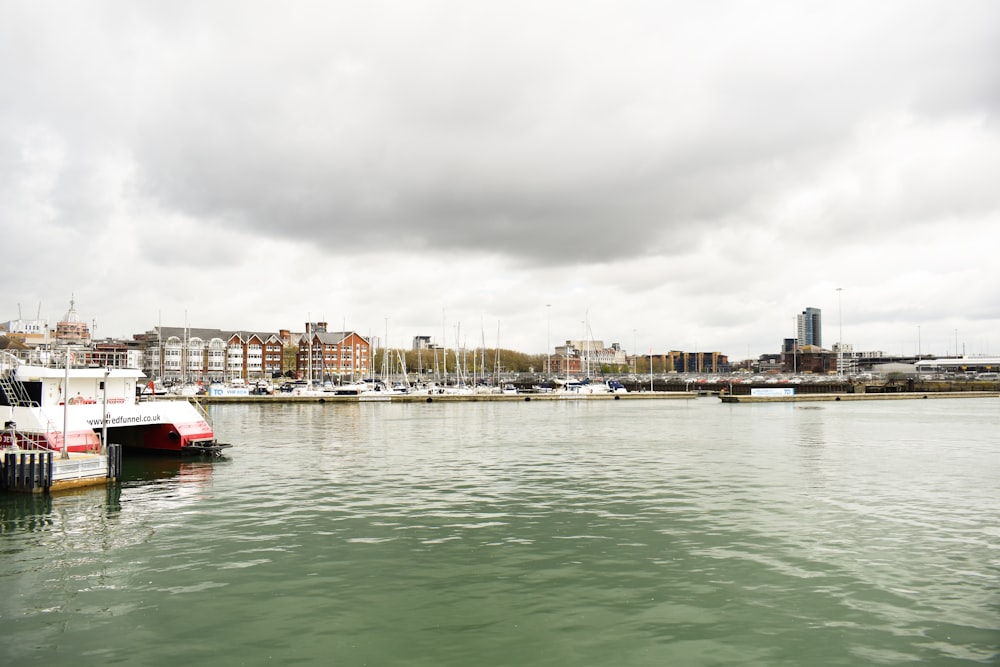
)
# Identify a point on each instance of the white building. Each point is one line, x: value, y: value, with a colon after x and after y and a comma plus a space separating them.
x: 30, y: 332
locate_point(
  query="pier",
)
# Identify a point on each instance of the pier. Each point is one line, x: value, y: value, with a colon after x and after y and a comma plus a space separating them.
x: 893, y: 396
x: 432, y: 398
x: 740, y: 395
x: 44, y: 471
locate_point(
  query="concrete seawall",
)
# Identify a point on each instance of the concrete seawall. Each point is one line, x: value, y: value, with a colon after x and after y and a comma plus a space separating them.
x: 895, y: 396
x: 434, y: 398
x: 631, y: 396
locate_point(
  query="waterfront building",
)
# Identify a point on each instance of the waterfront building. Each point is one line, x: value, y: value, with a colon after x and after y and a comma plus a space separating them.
x: 812, y: 359
x: 31, y: 333
x: 963, y: 366
x: 254, y: 355
x: 209, y: 355
x: 771, y: 363
x: 112, y: 353
x: 695, y: 362
x: 593, y: 355
x: 323, y: 354
x: 566, y: 363
x: 810, y: 327
x: 845, y: 358
x: 71, y: 330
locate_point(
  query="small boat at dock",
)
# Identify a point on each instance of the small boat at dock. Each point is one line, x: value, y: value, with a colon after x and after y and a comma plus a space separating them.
x: 587, y: 387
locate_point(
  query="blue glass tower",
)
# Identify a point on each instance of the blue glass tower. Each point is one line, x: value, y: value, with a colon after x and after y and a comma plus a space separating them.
x: 810, y: 325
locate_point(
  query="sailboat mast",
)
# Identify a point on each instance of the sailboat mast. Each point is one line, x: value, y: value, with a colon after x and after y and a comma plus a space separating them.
x: 497, y: 360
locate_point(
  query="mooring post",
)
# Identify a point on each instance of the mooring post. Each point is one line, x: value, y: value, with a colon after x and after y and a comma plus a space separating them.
x: 114, y: 461
x: 30, y: 486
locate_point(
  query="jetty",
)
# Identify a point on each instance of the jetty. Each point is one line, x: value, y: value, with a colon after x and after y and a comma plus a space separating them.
x: 331, y: 397
x: 47, y: 471
x: 892, y: 396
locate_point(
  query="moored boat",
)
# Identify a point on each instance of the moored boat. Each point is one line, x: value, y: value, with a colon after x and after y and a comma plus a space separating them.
x: 68, y: 409
x: 587, y: 386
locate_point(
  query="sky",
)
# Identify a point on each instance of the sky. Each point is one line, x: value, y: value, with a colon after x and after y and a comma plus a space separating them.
x: 664, y: 175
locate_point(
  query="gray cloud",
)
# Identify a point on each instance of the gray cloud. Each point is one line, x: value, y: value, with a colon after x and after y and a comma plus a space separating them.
x: 588, y: 151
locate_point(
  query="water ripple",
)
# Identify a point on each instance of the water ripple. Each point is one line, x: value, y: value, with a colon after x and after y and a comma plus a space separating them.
x: 626, y: 533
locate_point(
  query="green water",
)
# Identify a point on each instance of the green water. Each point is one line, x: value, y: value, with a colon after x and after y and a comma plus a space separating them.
x: 543, y: 533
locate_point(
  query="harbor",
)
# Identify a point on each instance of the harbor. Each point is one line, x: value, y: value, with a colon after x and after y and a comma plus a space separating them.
x: 575, y: 532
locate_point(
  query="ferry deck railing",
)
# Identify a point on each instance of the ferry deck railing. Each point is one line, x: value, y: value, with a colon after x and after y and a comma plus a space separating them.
x: 14, y: 391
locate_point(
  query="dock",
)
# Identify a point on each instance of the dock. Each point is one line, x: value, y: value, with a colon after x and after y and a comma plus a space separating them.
x: 45, y: 471
x: 893, y: 396
x: 433, y: 398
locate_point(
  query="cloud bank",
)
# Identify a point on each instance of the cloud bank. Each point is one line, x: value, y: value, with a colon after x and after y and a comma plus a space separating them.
x: 674, y: 175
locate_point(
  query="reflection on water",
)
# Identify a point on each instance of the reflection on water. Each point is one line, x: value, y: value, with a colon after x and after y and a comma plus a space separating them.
x: 594, y: 533
x: 139, y: 469
x: 25, y: 512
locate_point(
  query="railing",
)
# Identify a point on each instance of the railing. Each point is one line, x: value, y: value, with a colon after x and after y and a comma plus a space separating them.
x: 15, y: 392
x: 201, y: 410
x: 78, y: 357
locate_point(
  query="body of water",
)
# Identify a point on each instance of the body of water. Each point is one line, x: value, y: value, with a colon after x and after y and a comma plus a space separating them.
x: 674, y: 532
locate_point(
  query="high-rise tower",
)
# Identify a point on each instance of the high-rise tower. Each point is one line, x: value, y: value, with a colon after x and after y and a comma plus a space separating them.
x: 810, y: 325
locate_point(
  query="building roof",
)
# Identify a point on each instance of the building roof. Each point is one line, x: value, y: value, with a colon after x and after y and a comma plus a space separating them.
x: 959, y: 362
x: 332, y: 337
x: 208, y: 334
x: 71, y: 315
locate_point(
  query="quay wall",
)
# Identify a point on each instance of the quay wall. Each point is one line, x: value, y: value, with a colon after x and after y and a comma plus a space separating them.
x: 436, y: 398
x: 662, y: 390
x: 894, y: 396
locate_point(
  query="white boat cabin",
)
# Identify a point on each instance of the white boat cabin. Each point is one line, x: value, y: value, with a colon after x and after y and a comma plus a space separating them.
x: 49, y: 386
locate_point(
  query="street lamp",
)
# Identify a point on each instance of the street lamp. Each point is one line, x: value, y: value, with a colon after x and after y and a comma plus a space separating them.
x: 635, y: 353
x: 840, y: 334
x: 548, y: 340
x: 651, y: 369
x: 104, y: 411
x: 795, y: 349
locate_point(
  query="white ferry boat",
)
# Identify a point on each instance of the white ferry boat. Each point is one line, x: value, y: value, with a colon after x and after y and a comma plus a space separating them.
x: 68, y: 409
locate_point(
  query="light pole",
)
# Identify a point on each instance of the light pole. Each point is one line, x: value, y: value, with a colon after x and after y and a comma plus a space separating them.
x: 548, y: 340
x: 795, y: 349
x: 651, y: 369
x: 104, y: 411
x: 635, y: 353
x: 840, y: 334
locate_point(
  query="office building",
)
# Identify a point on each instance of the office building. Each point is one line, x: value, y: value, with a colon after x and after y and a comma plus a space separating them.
x: 810, y: 327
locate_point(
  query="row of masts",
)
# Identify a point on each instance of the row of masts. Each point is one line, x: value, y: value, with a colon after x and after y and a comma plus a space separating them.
x: 439, y: 370
x: 390, y: 370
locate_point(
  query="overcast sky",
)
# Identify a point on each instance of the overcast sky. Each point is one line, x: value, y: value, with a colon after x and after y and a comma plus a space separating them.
x: 676, y: 175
